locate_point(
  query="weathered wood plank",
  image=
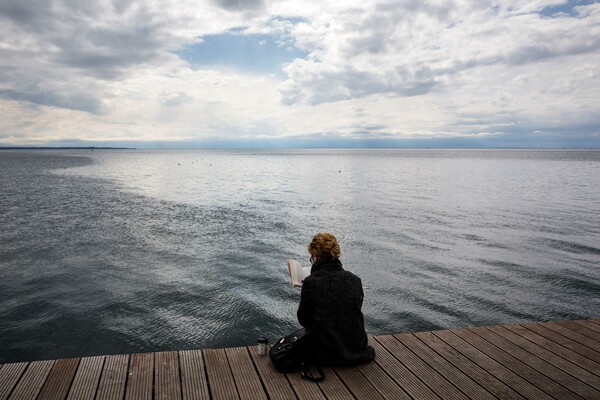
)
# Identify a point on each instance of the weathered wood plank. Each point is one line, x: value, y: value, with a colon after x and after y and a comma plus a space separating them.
x: 538, y: 363
x: 577, y: 337
x: 305, y: 389
x: 557, y: 361
x: 32, y: 380
x: 581, y: 329
x: 484, y: 378
x: 139, y: 379
x: 594, y: 321
x: 564, y: 341
x: 380, y: 379
x: 494, y: 367
x: 59, y: 380
x: 245, y: 375
x: 591, y: 325
x: 113, y: 378
x: 220, y: 377
x: 567, y: 354
x: 517, y: 365
x: 407, y: 383
x: 166, y: 376
x: 552, y: 360
x: 384, y: 383
x: 333, y: 388
x: 9, y: 376
x: 277, y: 385
x: 194, y: 383
x: 358, y: 384
x: 420, y: 368
x: 86, y: 379
x: 445, y: 368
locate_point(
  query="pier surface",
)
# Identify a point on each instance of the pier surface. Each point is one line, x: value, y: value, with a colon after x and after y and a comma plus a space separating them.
x: 550, y: 360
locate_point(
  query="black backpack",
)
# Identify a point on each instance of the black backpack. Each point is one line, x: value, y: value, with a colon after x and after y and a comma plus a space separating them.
x: 292, y: 354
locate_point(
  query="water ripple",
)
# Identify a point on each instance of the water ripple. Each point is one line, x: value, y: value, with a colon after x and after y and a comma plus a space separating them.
x: 123, y: 252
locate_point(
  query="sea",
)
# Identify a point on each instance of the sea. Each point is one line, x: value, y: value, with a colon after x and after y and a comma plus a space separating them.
x: 127, y: 251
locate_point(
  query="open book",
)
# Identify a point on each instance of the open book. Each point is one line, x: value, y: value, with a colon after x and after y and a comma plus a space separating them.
x: 297, y: 272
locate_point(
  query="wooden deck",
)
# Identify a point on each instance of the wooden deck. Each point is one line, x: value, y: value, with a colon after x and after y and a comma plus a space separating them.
x: 551, y: 360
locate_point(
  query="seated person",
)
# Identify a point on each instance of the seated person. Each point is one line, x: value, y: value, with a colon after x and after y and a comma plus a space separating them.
x: 330, y: 306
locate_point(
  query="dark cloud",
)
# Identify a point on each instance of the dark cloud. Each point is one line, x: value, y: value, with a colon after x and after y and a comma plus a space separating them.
x: 52, y: 98
x: 55, y: 50
x: 49, y: 16
x: 539, y: 51
x: 239, y: 5
x: 351, y: 83
x: 97, y: 39
x: 371, y: 127
x: 122, y: 6
x: 32, y: 15
x: 49, y: 89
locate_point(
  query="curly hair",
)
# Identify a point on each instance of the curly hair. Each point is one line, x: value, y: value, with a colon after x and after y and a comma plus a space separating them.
x: 324, y: 244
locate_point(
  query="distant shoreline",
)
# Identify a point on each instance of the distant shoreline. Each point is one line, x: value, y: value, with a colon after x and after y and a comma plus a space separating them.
x: 67, y: 148
x: 293, y: 148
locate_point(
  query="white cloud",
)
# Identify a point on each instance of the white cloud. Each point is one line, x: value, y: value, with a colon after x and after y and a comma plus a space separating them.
x: 175, y: 99
x: 106, y: 69
x: 412, y: 49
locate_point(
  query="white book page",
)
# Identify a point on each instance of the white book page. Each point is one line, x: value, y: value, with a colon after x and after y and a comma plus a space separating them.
x: 297, y: 272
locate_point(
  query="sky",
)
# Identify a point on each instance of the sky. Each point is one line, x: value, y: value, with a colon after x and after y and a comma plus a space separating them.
x: 300, y: 73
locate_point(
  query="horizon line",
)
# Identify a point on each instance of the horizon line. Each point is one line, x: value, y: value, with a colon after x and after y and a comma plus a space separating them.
x: 294, y: 148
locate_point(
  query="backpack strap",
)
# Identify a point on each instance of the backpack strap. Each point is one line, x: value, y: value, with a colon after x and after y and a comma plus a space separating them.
x: 307, y: 375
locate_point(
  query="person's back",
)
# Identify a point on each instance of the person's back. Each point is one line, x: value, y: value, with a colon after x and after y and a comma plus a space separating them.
x: 330, y: 305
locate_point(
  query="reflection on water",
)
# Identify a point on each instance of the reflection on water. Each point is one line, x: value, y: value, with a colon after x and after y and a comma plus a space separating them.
x: 126, y: 251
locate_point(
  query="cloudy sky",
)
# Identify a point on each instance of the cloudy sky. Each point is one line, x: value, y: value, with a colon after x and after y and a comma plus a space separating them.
x: 159, y: 73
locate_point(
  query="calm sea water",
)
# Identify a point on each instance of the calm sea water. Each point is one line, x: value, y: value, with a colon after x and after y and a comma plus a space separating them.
x: 111, y: 252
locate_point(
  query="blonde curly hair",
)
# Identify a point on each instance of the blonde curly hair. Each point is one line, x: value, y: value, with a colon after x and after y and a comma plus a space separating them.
x: 324, y: 244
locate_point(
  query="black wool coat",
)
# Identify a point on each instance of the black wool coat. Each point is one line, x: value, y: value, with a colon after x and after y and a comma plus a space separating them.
x: 330, y: 305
